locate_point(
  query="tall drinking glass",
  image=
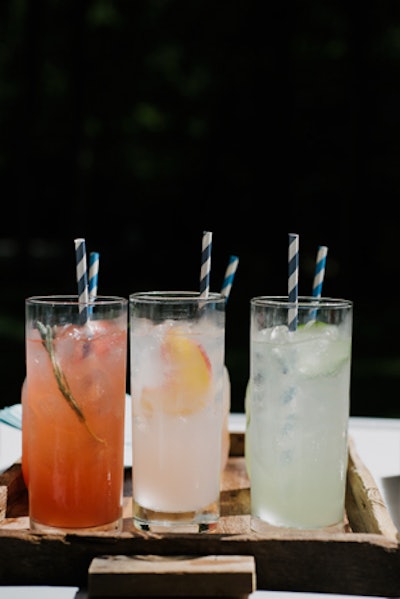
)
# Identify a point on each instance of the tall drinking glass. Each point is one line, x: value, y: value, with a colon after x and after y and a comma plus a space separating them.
x: 299, y: 402
x: 177, y: 366
x: 74, y: 407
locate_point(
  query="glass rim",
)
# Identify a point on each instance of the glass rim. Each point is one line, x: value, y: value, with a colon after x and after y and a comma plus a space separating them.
x: 72, y: 300
x: 303, y: 302
x: 178, y: 296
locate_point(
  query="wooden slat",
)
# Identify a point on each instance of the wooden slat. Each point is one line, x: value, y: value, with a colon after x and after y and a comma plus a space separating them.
x: 236, y: 447
x: 177, y: 576
x: 364, y: 503
x: 3, y: 502
x: 12, y: 491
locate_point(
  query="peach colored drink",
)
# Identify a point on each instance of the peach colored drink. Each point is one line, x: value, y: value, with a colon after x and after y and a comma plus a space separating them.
x: 177, y: 367
x: 73, y: 433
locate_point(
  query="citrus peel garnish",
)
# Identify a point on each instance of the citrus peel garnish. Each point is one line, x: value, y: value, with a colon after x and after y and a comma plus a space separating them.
x: 187, y: 382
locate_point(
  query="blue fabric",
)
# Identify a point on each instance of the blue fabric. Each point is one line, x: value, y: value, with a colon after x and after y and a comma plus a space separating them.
x: 12, y: 415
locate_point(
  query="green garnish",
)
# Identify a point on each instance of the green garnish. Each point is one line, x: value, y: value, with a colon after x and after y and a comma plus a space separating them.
x: 47, y: 335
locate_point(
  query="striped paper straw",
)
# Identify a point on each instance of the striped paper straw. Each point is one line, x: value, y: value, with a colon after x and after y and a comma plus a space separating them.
x: 293, y: 280
x: 94, y: 258
x: 81, y: 276
x: 205, y: 264
x: 319, y: 275
x: 319, y: 271
x: 229, y: 276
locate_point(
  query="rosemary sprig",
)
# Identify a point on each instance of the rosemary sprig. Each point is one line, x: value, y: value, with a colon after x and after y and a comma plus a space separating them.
x: 47, y: 336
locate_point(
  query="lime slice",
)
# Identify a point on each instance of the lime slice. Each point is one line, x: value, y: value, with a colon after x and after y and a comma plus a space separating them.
x: 323, y: 358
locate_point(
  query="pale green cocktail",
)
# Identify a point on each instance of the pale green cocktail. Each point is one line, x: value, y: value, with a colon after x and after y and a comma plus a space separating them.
x: 298, y: 410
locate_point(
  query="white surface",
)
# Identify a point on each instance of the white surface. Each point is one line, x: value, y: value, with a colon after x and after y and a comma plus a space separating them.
x: 74, y: 593
x: 377, y: 441
x: 10, y: 445
x: 39, y: 592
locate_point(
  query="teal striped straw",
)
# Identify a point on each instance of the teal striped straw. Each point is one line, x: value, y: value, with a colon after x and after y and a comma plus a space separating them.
x: 319, y: 275
x: 93, y: 274
x: 229, y: 276
x: 319, y: 271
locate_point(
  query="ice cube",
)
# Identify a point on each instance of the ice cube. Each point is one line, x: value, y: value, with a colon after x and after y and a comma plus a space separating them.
x: 151, y: 366
x: 279, y: 334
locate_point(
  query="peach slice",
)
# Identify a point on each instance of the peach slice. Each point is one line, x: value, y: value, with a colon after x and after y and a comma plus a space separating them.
x: 187, y: 384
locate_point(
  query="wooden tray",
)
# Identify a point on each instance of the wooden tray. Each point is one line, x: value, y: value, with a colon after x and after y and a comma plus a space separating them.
x: 364, y: 559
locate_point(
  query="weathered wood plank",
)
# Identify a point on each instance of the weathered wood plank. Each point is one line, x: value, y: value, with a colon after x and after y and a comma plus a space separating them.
x: 236, y: 447
x: 364, y: 502
x: 177, y: 576
x: 12, y: 492
x: 364, y: 559
x: 360, y: 564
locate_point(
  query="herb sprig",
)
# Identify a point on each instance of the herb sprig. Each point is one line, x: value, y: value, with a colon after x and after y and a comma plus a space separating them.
x: 47, y: 335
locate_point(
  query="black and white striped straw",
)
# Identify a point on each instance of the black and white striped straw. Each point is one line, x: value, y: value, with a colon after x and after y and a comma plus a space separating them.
x: 82, y: 279
x: 205, y: 264
x: 293, y: 280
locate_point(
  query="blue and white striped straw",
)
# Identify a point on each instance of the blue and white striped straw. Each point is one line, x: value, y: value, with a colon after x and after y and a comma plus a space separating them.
x: 229, y: 276
x: 293, y: 280
x: 319, y: 275
x: 319, y: 271
x: 82, y: 279
x: 205, y: 264
x: 94, y: 258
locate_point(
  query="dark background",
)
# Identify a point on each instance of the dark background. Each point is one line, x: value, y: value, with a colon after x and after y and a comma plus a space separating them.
x: 139, y: 124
